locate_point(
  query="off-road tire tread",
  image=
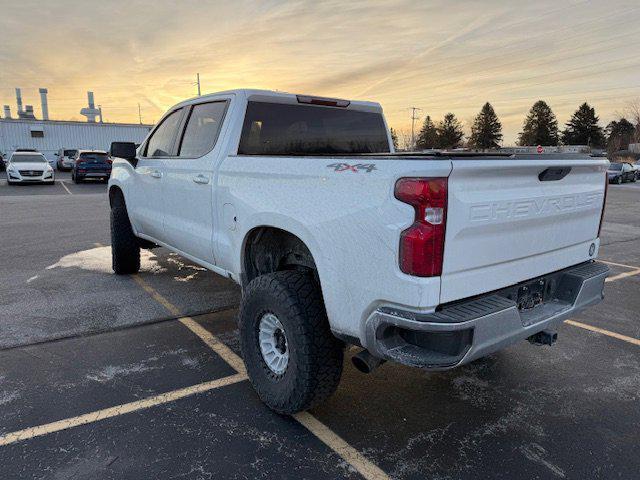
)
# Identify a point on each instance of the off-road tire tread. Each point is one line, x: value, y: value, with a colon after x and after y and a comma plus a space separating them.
x: 318, y: 365
x: 125, y: 251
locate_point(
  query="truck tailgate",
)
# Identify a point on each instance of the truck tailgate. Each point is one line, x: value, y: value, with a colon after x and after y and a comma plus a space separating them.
x: 506, y: 225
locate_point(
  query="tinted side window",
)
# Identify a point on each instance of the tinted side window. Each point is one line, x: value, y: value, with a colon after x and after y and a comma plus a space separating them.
x: 202, y: 129
x: 161, y: 142
x: 285, y: 129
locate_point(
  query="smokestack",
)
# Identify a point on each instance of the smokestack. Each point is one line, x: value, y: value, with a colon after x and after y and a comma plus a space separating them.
x: 19, y: 100
x: 91, y: 112
x: 44, y: 103
x: 28, y: 112
x: 7, y: 111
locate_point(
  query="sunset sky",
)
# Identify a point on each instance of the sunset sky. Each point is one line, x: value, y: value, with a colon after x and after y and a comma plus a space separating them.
x: 437, y: 55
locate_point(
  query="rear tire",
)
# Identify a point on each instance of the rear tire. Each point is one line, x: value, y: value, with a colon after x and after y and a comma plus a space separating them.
x: 313, y: 367
x: 125, y: 252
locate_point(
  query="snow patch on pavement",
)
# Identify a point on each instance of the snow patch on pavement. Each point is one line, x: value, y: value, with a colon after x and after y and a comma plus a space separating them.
x: 8, y: 397
x: 99, y: 260
x: 110, y: 372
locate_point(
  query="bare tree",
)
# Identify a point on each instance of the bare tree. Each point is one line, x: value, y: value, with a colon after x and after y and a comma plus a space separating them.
x: 632, y: 112
x: 404, y: 140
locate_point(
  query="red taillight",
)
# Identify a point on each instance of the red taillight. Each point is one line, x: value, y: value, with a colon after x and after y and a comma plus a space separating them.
x: 109, y: 161
x: 604, y: 201
x: 422, y: 244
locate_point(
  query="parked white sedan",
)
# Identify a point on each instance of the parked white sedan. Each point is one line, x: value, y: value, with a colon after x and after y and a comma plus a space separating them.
x: 29, y: 167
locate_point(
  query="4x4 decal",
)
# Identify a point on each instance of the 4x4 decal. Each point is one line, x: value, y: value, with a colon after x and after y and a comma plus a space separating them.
x: 347, y: 167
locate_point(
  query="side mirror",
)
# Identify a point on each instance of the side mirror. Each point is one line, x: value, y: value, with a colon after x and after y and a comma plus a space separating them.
x: 124, y: 150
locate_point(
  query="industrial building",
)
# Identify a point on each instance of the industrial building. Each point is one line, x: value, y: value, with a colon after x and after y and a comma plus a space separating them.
x: 49, y: 136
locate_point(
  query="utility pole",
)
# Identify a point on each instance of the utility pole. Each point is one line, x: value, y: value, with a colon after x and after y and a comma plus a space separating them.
x: 139, y: 114
x: 414, y: 117
x: 198, y: 82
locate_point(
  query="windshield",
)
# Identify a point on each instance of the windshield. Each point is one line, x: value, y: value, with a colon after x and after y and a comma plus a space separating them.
x: 27, y: 159
x: 284, y: 129
x: 615, y: 166
x: 70, y: 153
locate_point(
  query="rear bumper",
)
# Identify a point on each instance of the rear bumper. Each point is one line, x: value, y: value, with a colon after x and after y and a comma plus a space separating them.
x: 94, y: 173
x: 461, y: 332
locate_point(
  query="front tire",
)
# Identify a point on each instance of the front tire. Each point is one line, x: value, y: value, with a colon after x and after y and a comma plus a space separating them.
x: 289, y: 306
x: 125, y: 252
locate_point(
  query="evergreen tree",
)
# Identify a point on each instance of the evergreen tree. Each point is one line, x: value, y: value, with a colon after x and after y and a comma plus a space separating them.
x: 583, y: 128
x: 619, y: 135
x: 427, y: 136
x: 486, y: 131
x: 450, y: 133
x: 394, y: 138
x: 540, y: 127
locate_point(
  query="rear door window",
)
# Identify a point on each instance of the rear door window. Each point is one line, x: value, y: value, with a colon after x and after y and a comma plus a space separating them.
x: 203, y: 128
x: 289, y: 129
x: 162, y: 140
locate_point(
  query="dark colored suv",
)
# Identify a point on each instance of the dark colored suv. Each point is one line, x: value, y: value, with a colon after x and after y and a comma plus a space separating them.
x: 91, y: 164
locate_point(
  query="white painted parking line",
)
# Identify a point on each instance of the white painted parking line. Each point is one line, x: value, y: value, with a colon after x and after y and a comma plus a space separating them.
x: 608, y: 333
x: 618, y: 264
x: 65, y: 187
x: 623, y: 275
x: 118, y: 410
x: 216, y: 345
x: 328, y: 437
x: 359, y: 462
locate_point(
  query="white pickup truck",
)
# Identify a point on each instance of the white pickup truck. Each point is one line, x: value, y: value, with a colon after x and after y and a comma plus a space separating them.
x: 430, y: 260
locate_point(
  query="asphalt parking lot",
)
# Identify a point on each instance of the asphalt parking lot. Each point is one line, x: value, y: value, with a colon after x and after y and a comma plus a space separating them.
x: 140, y: 377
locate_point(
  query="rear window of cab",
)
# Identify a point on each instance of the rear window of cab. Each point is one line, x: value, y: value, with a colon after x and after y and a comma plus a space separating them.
x: 286, y: 129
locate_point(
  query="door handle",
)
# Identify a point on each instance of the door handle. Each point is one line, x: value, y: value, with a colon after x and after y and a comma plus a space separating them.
x: 156, y: 174
x: 202, y: 179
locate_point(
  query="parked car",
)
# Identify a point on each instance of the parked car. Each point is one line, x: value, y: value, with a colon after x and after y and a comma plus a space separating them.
x: 65, y: 159
x: 29, y: 167
x: 429, y: 260
x: 621, y: 172
x: 91, y: 164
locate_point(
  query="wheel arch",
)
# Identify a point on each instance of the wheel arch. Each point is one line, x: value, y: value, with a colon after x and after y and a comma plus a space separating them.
x: 114, y: 191
x: 268, y: 249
